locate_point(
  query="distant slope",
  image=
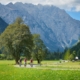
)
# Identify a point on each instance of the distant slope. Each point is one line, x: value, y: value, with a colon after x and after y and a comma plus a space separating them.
x: 57, y: 29
x: 76, y: 48
x: 3, y: 25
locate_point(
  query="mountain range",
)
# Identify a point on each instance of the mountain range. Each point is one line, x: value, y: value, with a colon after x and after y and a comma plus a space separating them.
x: 56, y: 28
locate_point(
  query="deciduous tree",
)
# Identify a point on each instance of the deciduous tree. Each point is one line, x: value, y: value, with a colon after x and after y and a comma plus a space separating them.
x: 17, y: 39
x: 39, y: 48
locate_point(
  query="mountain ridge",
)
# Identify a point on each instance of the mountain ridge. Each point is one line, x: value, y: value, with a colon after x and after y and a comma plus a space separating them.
x: 55, y: 26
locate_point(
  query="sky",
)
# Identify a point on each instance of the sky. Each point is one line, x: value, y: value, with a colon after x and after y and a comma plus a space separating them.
x: 72, y: 7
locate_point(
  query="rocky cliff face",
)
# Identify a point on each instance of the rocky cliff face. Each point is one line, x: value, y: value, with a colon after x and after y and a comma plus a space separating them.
x: 57, y: 29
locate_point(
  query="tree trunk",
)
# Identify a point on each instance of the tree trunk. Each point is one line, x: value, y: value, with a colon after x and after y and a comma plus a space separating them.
x: 38, y: 61
x: 17, y: 61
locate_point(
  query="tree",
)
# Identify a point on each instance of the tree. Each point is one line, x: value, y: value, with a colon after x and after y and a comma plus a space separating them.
x: 78, y: 53
x: 71, y: 57
x: 17, y: 39
x: 75, y: 50
x: 39, y: 48
x: 67, y: 55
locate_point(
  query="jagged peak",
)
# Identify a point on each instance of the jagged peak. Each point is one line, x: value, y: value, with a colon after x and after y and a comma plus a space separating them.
x: 1, y: 4
x: 18, y: 3
x: 10, y: 4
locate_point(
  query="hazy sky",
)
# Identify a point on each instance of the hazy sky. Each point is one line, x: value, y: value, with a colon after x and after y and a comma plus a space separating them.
x: 65, y: 4
x: 71, y: 5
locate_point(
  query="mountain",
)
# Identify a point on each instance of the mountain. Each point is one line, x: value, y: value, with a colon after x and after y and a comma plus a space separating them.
x: 56, y: 28
x: 3, y: 25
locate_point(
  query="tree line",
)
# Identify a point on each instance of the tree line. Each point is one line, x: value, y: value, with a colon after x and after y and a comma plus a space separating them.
x: 68, y: 53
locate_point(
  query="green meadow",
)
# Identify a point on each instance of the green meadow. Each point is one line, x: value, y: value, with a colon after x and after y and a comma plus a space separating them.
x: 49, y: 70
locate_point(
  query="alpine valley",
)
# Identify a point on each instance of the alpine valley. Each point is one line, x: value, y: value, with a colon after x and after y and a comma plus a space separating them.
x: 56, y: 28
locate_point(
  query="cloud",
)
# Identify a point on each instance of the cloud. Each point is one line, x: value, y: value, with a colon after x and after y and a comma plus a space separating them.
x: 76, y: 3
x: 64, y: 4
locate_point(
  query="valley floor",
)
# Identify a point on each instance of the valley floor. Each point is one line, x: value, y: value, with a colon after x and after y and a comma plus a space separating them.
x: 48, y: 70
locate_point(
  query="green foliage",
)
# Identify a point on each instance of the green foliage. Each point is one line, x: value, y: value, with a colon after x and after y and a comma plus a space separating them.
x: 67, y: 55
x: 78, y: 53
x: 17, y: 39
x: 2, y: 56
x: 39, y: 48
x: 76, y: 49
x: 71, y: 57
x: 54, y: 55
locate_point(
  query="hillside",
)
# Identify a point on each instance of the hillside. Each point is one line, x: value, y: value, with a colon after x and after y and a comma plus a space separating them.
x: 3, y: 25
x: 76, y: 48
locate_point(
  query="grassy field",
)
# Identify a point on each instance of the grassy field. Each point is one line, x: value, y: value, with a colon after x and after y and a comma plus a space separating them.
x: 49, y: 70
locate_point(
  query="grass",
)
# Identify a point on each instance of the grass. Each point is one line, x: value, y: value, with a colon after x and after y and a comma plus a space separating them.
x: 63, y: 65
x: 9, y: 72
